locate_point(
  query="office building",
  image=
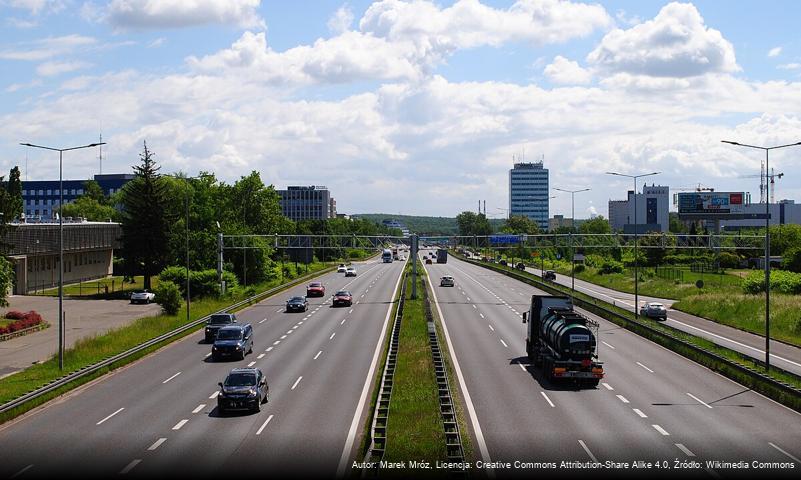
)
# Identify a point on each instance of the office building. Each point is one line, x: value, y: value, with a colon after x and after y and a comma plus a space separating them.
x: 652, y: 211
x: 528, y: 192
x: 40, y: 197
x: 618, y: 214
x: 785, y: 212
x: 307, y: 203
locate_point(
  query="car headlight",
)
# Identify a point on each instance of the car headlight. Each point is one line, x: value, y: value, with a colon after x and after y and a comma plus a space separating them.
x: 214, y: 349
x: 221, y: 395
x: 238, y: 347
x: 252, y: 392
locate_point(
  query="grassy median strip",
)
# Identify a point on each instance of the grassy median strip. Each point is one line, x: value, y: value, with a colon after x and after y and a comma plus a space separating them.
x: 94, y: 349
x: 414, y: 428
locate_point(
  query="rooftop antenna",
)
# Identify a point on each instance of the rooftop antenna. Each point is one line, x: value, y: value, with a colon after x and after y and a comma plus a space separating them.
x: 101, y: 153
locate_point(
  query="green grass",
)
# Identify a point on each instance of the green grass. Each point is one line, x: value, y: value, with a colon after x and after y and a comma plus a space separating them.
x: 93, y: 349
x: 414, y: 427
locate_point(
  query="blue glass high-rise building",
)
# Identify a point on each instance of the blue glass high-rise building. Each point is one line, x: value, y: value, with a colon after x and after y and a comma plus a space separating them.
x: 528, y: 192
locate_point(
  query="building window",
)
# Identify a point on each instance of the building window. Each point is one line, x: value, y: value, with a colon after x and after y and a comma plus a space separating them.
x: 41, y: 192
x: 49, y: 192
x: 80, y: 191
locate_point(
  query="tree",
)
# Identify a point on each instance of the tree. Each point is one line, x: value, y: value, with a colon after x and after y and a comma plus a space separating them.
x: 595, y: 226
x: 676, y: 226
x: 13, y: 208
x: 471, y: 223
x: 6, y: 279
x: 146, y: 220
x: 93, y: 190
x: 90, y: 209
x: 521, y: 224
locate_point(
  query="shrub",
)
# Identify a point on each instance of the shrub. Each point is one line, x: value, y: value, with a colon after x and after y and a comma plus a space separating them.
x: 610, y: 266
x: 168, y: 295
x: 729, y: 260
x: 580, y: 268
x: 21, y: 322
x: 15, y: 315
x: 202, y: 283
x: 780, y: 280
x: 792, y: 259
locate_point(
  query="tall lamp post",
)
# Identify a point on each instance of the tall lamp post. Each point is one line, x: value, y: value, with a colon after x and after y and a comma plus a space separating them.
x: 767, y: 240
x: 61, y: 241
x: 636, y: 238
x: 572, y: 228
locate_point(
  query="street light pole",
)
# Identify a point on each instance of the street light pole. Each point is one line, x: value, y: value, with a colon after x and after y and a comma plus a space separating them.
x: 767, y: 240
x: 572, y: 227
x: 636, y: 241
x: 61, y: 241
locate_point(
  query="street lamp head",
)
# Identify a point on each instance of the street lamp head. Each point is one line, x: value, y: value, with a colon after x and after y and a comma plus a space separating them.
x: 729, y: 142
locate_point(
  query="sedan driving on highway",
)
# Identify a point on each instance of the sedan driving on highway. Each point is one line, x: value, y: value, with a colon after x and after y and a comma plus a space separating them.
x: 143, y: 297
x: 297, y: 304
x: 233, y: 341
x: 350, y: 272
x: 341, y: 268
x: 216, y: 322
x: 315, y: 289
x: 549, y: 275
x: 654, y: 310
x: 446, y: 281
x: 243, y: 389
x: 342, y: 298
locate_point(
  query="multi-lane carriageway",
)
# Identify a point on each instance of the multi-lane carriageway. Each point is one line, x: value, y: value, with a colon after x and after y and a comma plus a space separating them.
x: 652, y: 405
x: 158, y: 416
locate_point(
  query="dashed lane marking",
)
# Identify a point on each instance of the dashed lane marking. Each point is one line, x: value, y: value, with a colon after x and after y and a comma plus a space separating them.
x: 490, y: 327
x: 623, y: 399
x: 165, y: 381
x: 548, y: 400
x: 199, y: 408
x: 643, y: 366
x: 685, y: 450
x: 584, y: 446
x: 639, y: 412
x: 261, y: 355
x: 504, y: 343
x: 251, y: 364
x: 788, y: 455
x: 214, y: 395
x: 21, y: 471
x: 130, y: 466
x: 608, y: 345
x: 699, y: 400
x: 156, y: 444
x: 103, y: 421
x: 296, y: 382
x: 660, y: 430
x: 318, y: 354
x: 258, y: 432
x: 332, y: 336
x: 180, y: 424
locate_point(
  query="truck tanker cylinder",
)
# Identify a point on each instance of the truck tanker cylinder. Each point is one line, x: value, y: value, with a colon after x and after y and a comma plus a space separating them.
x: 569, y: 339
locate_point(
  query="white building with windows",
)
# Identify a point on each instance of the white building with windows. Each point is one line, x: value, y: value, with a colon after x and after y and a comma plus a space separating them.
x: 652, y: 210
x: 528, y: 192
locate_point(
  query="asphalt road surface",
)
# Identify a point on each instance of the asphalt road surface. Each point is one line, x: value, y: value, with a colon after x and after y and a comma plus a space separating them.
x: 158, y: 416
x: 653, y: 405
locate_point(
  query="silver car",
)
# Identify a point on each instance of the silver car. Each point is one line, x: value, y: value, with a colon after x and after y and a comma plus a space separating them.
x: 446, y: 281
x: 654, y: 310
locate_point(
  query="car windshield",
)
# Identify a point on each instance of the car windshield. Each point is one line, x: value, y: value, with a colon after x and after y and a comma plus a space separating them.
x: 229, y: 334
x: 657, y: 305
x: 343, y: 293
x: 296, y: 300
x: 220, y: 319
x: 240, y: 380
x: 313, y: 285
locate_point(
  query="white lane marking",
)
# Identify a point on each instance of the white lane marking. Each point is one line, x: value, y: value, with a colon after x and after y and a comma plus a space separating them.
x: 548, y: 400
x: 261, y: 355
x: 258, y: 432
x: 295, y: 327
x: 684, y: 449
x: 343, y: 321
x: 156, y: 444
x: 208, y: 355
x: 296, y: 382
x: 468, y: 299
x: 252, y: 363
x: 332, y: 336
x: 362, y: 296
x: 699, y: 400
x: 165, y: 381
x: 283, y: 336
x: 522, y: 367
x: 660, y: 430
x: 475, y: 307
x: 279, y: 310
x: 584, y: 446
x: 130, y: 466
x: 464, y: 293
x: 504, y: 344
x: 262, y: 321
x: 481, y: 315
x: 118, y: 411
x: 490, y: 327
x: 276, y: 342
x: 608, y: 387
x: 779, y: 449
x: 318, y: 354
x: 21, y: 471
x: 180, y: 424
x: 300, y: 322
x: 623, y: 399
x: 350, y: 311
x: 214, y: 395
x: 268, y: 349
x: 306, y: 317
x: 610, y: 346
x: 354, y: 425
x: 288, y: 332
x: 471, y: 409
x: 643, y: 366
x: 639, y: 412
x: 199, y: 408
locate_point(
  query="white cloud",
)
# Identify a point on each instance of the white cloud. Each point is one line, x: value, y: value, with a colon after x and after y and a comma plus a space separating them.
x: 341, y: 20
x: 567, y: 72
x: 45, y: 48
x: 147, y: 14
x: 789, y: 66
x: 630, y: 20
x: 36, y: 7
x: 49, y: 69
x: 156, y: 43
x: 775, y: 52
x: 20, y: 23
x: 676, y: 43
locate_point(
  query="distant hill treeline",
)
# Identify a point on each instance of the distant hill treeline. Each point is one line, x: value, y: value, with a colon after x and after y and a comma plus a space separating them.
x: 425, y: 225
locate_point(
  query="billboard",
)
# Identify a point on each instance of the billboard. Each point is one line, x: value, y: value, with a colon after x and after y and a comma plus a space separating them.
x: 712, y: 202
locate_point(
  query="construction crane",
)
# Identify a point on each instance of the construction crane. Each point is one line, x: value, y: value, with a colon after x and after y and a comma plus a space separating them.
x: 764, y: 177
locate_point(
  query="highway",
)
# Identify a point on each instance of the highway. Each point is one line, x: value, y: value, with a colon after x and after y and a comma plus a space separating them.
x: 653, y: 405
x: 158, y: 415
x: 787, y: 357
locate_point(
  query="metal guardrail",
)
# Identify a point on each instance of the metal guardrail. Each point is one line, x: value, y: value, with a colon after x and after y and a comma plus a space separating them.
x: 453, y: 439
x: 769, y: 386
x: 95, y: 367
x: 378, y: 429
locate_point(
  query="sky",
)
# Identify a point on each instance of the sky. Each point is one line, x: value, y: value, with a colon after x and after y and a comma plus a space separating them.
x: 408, y: 107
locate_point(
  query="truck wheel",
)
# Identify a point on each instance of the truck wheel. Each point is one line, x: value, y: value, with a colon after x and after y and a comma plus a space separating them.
x: 592, y: 383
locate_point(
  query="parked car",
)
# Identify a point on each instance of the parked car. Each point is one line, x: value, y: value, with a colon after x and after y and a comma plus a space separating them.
x: 243, y: 389
x: 233, y: 341
x: 446, y: 281
x: 521, y: 266
x: 350, y: 272
x: 341, y: 268
x: 143, y: 297
x: 315, y: 289
x: 428, y: 261
x: 216, y: 322
x: 549, y: 275
x: 654, y: 310
x: 502, y: 262
x: 297, y: 304
x: 342, y: 298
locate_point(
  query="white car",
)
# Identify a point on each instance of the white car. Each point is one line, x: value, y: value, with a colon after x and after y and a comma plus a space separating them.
x: 350, y: 272
x: 446, y: 281
x: 143, y: 297
x: 341, y: 268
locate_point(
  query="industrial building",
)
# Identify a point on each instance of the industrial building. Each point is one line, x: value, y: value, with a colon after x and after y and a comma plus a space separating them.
x: 529, y: 192
x: 307, y: 203
x: 652, y: 211
x: 40, y: 198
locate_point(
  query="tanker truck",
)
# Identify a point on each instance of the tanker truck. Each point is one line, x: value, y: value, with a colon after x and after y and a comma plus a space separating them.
x: 562, y: 341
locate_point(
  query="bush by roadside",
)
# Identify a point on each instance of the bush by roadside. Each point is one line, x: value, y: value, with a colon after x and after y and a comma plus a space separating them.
x: 21, y: 321
x: 780, y: 281
x: 168, y: 295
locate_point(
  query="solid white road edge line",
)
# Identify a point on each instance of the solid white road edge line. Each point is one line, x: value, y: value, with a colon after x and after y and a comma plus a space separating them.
x: 102, y: 421
x: 548, y: 400
x: 357, y: 415
x: 471, y: 409
x: 779, y: 449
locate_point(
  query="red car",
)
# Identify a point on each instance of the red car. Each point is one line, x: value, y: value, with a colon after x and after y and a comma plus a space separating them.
x: 315, y: 289
x: 342, y: 298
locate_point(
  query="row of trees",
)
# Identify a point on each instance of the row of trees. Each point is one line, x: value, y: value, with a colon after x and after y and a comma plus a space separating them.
x: 471, y: 223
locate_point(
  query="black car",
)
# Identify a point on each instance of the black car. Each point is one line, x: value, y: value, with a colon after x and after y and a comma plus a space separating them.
x: 549, y: 275
x: 297, y: 304
x: 216, y: 322
x: 502, y: 262
x: 521, y: 266
x: 243, y: 389
x: 233, y: 341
